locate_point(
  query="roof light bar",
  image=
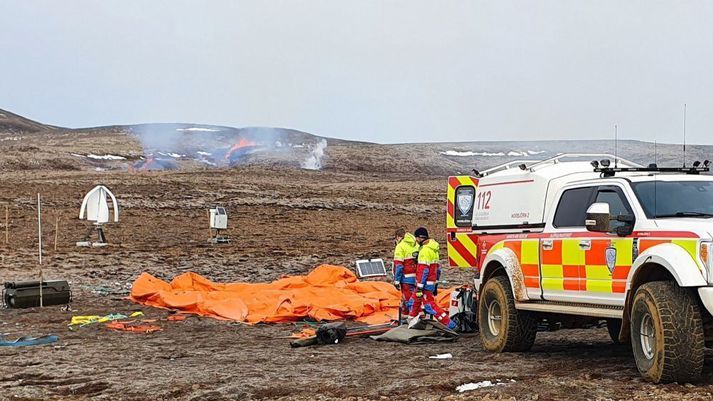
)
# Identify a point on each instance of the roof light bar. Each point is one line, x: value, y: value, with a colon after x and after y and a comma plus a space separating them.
x: 611, y: 171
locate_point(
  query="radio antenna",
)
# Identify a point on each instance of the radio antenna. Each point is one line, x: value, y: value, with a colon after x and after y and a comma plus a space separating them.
x: 684, y: 135
x: 656, y: 153
x: 616, y: 146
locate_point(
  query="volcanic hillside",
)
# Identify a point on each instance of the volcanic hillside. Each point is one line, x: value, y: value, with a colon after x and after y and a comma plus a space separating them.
x: 12, y: 123
x: 30, y: 145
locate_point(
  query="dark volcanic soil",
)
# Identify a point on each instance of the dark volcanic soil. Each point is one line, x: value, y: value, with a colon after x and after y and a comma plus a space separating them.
x: 282, y: 222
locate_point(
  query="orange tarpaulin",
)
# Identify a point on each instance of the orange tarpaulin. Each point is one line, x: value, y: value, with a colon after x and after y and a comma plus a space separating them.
x: 326, y: 293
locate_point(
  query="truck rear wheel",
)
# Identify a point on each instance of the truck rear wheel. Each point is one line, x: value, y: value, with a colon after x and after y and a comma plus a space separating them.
x: 667, y: 333
x: 502, y: 327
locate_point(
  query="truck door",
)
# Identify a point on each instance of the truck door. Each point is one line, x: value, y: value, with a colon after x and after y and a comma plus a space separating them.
x: 608, y: 258
x: 563, y: 248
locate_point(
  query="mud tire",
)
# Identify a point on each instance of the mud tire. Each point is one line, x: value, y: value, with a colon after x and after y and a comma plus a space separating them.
x: 671, y: 313
x: 516, y: 330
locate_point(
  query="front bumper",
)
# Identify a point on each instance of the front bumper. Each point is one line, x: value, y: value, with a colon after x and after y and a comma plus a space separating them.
x: 706, y: 295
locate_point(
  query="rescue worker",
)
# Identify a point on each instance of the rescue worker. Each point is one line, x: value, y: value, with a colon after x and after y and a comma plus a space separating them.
x: 405, y: 255
x: 428, y: 272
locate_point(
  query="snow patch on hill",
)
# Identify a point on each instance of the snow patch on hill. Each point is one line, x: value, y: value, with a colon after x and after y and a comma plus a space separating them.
x: 171, y: 154
x: 511, y: 153
x: 470, y: 153
x: 197, y: 129
x: 105, y: 157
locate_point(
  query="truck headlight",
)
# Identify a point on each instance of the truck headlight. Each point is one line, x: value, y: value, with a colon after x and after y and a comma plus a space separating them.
x: 705, y: 253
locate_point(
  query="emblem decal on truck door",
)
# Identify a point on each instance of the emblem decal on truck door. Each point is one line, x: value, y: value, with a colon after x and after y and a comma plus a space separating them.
x: 465, y: 201
x: 610, y: 254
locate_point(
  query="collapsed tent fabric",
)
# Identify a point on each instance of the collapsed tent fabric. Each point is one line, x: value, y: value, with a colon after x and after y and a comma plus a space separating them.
x: 424, y: 331
x: 326, y: 293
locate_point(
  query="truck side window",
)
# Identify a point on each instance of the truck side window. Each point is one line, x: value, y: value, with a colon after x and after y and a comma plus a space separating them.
x: 617, y: 204
x: 572, y: 208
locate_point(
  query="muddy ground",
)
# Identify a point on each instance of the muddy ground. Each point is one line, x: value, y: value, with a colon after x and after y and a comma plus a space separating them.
x: 282, y: 222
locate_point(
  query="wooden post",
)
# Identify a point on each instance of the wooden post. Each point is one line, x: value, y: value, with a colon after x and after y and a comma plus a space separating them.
x: 56, y: 232
x: 7, y: 224
x: 39, y: 245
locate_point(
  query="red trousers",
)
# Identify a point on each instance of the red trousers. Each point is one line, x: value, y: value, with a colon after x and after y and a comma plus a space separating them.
x: 407, y: 291
x: 428, y: 304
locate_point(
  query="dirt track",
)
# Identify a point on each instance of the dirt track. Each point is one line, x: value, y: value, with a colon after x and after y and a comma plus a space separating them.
x: 280, y: 226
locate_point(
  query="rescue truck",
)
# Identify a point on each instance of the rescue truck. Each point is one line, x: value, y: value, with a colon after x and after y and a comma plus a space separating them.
x: 568, y: 242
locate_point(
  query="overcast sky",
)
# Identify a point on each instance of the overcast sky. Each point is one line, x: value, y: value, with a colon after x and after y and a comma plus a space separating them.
x: 384, y: 71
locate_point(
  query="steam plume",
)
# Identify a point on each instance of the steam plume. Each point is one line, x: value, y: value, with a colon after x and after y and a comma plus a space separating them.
x: 314, y: 159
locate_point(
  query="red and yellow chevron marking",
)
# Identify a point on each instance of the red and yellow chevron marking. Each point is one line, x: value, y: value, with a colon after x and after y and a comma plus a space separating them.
x: 453, y: 183
x: 462, y: 251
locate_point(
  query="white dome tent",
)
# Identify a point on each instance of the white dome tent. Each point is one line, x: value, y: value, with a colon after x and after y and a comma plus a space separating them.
x: 95, y: 208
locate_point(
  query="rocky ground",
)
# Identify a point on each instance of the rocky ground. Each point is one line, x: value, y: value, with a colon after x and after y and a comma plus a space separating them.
x: 282, y: 222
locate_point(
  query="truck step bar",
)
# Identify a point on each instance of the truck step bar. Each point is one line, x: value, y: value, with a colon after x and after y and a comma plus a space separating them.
x: 571, y: 308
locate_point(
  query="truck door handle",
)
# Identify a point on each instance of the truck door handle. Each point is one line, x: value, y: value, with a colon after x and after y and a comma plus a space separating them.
x: 547, y: 244
x: 585, y: 244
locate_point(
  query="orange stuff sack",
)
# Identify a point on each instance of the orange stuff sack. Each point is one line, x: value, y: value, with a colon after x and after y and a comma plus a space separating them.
x: 326, y: 293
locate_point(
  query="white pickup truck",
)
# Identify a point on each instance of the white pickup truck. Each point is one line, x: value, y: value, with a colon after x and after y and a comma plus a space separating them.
x: 571, y: 243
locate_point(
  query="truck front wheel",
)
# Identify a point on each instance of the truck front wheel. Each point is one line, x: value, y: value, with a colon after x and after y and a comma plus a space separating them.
x: 502, y: 327
x: 667, y: 333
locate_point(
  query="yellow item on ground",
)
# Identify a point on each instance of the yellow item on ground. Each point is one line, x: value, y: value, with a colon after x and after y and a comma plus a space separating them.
x: 91, y: 319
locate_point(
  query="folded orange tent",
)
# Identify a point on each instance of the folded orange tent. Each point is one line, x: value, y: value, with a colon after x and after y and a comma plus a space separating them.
x: 326, y: 293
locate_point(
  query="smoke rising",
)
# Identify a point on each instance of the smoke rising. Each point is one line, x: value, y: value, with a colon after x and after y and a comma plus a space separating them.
x: 214, y: 146
x: 314, y: 159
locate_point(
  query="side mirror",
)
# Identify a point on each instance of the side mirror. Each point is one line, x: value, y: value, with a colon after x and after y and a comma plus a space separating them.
x: 598, y: 217
x: 626, y: 229
x: 625, y: 218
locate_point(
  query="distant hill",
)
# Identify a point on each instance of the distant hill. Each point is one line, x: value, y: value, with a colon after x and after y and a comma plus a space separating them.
x: 462, y: 157
x: 27, y: 144
x: 13, y: 123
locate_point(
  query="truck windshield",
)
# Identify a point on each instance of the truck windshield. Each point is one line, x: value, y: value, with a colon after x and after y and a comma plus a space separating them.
x: 665, y: 199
